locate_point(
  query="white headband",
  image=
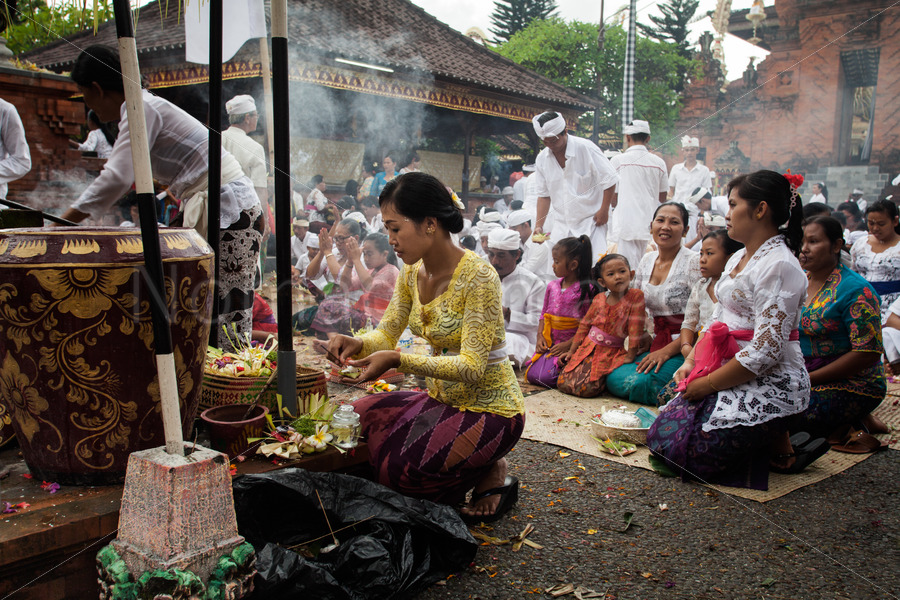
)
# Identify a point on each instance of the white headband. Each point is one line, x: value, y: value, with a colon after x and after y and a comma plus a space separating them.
x: 552, y: 127
x: 484, y: 228
x: 517, y: 217
x: 696, y: 197
x: 491, y: 217
x: 312, y: 241
x: 503, y: 239
x: 690, y: 142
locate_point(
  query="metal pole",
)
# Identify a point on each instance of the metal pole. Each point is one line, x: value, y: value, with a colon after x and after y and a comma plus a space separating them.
x: 214, y: 206
x: 143, y: 180
x: 287, y: 357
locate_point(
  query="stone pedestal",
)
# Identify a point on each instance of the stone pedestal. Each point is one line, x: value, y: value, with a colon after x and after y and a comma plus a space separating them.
x: 177, y: 535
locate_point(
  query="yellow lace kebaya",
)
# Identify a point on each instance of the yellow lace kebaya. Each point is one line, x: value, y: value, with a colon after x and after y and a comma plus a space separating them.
x: 469, y: 367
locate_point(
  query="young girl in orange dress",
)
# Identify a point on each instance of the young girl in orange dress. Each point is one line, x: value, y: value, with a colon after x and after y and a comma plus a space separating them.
x: 599, y: 345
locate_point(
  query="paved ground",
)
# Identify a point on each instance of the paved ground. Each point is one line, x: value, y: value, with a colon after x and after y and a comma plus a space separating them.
x: 837, y: 539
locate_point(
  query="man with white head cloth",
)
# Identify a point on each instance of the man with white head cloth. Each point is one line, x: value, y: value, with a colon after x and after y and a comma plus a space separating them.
x: 244, y: 118
x: 575, y: 178
x: 689, y: 175
x: 484, y: 228
x: 536, y: 258
x: 643, y: 184
x: 523, y: 295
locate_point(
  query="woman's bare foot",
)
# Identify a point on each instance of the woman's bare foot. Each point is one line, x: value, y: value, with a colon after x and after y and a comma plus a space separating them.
x: 495, y: 478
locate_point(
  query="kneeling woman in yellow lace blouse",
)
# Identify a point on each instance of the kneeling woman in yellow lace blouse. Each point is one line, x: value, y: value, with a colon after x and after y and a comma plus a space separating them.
x: 440, y: 444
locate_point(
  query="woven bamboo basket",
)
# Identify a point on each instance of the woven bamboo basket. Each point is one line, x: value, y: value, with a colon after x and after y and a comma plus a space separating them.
x: 635, y: 435
x: 219, y: 390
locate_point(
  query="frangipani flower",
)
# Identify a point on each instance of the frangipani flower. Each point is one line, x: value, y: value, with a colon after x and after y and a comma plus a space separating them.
x: 320, y: 438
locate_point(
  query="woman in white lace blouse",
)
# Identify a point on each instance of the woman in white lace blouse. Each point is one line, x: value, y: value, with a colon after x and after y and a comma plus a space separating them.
x: 736, y: 407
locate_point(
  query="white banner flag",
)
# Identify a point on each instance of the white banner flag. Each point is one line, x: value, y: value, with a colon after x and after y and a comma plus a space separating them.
x: 242, y: 20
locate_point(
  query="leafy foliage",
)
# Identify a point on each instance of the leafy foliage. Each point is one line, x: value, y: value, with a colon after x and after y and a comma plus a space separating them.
x: 41, y: 24
x: 567, y: 53
x: 512, y: 16
x: 672, y: 26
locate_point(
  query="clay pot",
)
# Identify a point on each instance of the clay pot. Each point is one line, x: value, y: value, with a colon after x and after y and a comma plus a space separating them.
x: 78, y: 377
x: 229, y: 431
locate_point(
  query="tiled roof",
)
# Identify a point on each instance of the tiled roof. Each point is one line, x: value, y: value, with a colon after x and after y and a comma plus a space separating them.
x: 392, y: 33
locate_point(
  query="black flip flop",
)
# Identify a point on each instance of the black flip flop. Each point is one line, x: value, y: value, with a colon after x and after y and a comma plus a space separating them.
x: 799, y: 439
x: 803, y: 457
x: 509, y: 495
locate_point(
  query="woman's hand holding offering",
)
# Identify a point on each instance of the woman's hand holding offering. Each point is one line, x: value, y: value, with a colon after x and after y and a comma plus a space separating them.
x: 342, y: 347
x: 376, y: 364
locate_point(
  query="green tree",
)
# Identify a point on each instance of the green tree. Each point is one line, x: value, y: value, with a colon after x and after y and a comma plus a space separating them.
x: 672, y: 26
x: 511, y: 16
x: 40, y: 24
x: 567, y: 53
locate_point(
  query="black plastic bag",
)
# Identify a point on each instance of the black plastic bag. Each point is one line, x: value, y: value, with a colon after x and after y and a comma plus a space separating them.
x: 390, y: 546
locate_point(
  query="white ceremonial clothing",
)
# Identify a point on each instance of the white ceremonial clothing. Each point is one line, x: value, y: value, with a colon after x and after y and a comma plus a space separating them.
x: 523, y: 294
x: 685, y: 181
x: 817, y: 198
x: 643, y: 177
x: 890, y: 335
x: 249, y: 153
x: 719, y: 205
x: 179, y: 158
x: 537, y: 259
x: 15, y: 157
x: 519, y: 188
x: 96, y: 142
x: 700, y: 307
x: 576, y: 191
x: 767, y: 298
x: 501, y: 207
x: 633, y: 251
x: 317, y: 199
x: 376, y: 225
x: 298, y: 247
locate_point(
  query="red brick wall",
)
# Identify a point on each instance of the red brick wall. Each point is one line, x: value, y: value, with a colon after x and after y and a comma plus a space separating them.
x: 58, y: 172
x: 793, y: 119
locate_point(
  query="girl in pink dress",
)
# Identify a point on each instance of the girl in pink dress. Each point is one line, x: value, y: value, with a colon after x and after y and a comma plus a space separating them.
x: 565, y: 303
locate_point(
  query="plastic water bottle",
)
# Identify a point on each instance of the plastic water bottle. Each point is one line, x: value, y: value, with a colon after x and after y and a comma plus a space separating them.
x: 345, y: 426
x: 405, y: 343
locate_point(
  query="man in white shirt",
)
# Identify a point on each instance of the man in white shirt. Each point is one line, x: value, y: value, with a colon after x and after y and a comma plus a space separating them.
x: 300, y: 239
x: 536, y: 257
x: 523, y: 295
x: 243, y: 119
x: 15, y: 157
x: 519, y: 185
x: 689, y: 175
x: 574, y: 178
x: 857, y: 196
x: 643, y: 184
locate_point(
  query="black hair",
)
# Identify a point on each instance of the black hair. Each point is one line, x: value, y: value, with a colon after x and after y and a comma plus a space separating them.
x: 775, y: 190
x: 640, y: 138
x: 580, y: 249
x: 814, y: 209
x: 347, y: 203
x: 392, y: 154
x: 105, y: 129
x: 834, y: 231
x: 840, y: 218
x: 413, y: 156
x: 382, y: 244
x: 597, y: 269
x: 468, y: 242
x: 685, y: 217
x: 708, y: 194
x: 823, y: 187
x: 355, y: 228
x: 516, y: 205
x: 853, y: 209
x: 98, y: 64
x: 887, y: 207
x: 729, y: 245
x: 547, y: 116
x: 418, y: 195
x: 351, y: 187
x: 369, y: 201
x: 316, y: 180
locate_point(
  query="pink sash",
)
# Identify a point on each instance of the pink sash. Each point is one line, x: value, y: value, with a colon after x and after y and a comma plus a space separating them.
x: 601, y: 338
x: 719, y: 344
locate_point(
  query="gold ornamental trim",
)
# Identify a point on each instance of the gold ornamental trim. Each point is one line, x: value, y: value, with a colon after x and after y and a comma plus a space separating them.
x: 4, y: 246
x: 79, y: 247
x: 177, y: 241
x: 130, y: 246
x: 30, y: 248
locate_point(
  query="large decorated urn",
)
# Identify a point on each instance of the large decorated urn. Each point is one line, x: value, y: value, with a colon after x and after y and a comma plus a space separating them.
x: 78, y: 378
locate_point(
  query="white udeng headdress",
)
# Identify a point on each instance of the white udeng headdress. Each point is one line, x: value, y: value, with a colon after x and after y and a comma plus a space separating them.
x: 690, y: 142
x: 240, y: 105
x: 554, y: 126
x: 503, y: 239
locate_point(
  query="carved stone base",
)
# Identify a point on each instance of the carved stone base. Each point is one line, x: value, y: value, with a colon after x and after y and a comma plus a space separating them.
x: 230, y: 580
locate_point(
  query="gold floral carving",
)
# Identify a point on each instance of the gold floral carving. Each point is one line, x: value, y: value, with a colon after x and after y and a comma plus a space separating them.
x: 30, y: 248
x: 4, y: 246
x: 26, y: 404
x: 130, y: 245
x: 105, y: 416
x: 177, y: 241
x: 80, y: 247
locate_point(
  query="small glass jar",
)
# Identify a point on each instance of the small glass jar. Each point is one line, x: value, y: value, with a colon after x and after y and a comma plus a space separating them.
x: 345, y: 426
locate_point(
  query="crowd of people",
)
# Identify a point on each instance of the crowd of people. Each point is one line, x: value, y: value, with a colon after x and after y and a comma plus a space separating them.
x: 760, y: 327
